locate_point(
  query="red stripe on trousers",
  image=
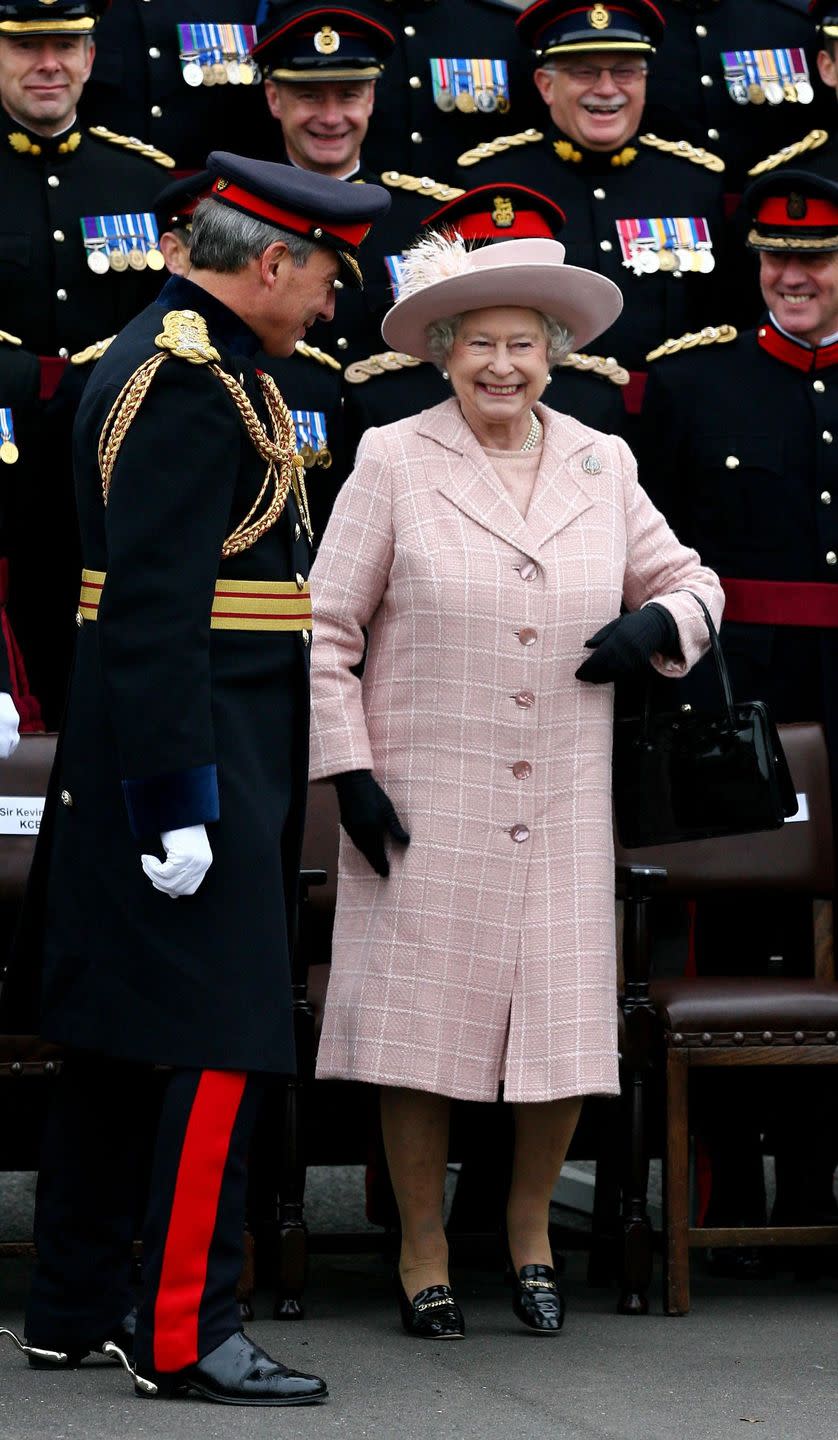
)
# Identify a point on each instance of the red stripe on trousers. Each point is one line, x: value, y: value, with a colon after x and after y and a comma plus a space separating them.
x: 203, y: 1158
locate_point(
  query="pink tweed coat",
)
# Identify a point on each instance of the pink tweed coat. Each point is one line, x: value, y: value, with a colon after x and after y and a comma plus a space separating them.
x: 488, y: 956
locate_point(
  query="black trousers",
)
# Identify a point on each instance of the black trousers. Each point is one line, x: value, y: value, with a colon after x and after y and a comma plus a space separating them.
x: 119, y: 1159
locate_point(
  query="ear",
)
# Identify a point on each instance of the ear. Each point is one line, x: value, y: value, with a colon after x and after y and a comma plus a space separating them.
x: 543, y: 80
x: 273, y: 99
x: 91, y: 56
x: 370, y: 96
x: 175, y: 253
x: 273, y: 262
x: 828, y: 69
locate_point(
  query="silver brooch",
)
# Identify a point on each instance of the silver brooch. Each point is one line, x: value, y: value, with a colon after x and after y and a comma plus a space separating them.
x: 591, y: 465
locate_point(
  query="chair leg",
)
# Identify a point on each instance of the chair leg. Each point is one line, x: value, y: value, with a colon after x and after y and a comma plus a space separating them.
x: 676, y: 1297
x: 291, y: 1249
x: 637, y: 1230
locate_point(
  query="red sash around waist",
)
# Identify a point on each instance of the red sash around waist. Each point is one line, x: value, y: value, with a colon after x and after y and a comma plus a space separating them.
x: 781, y: 602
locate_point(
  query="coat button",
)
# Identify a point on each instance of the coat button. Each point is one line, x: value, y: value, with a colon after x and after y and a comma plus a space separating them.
x: 415, y: 83
x: 826, y: 498
x: 343, y: 343
x: 527, y: 634
x: 528, y: 570
x: 297, y: 531
x: 53, y: 182
x: 79, y: 619
x: 300, y: 579
x: 712, y: 133
x: 707, y: 81
x: 525, y: 699
x: 605, y: 245
x: 732, y: 462
x: 827, y: 437
x: 306, y: 637
x: 156, y: 112
x: 522, y: 769
x: 58, y: 235
x: 599, y: 193
x: 519, y: 834
x: 410, y: 31
x: 66, y: 799
x: 701, y: 32
x: 153, y: 52
x: 818, y: 387
x: 416, y: 137
x: 831, y: 557
x: 61, y: 294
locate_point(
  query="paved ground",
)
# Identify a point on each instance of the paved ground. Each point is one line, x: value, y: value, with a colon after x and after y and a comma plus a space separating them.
x: 763, y: 1355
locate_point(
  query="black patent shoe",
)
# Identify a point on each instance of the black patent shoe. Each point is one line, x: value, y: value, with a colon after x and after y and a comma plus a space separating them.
x: 432, y: 1314
x: 537, y: 1299
x: 70, y: 1356
x: 237, y: 1372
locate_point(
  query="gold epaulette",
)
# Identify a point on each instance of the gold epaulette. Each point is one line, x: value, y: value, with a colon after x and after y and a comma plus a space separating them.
x: 812, y: 141
x: 185, y: 335
x: 137, y: 147
x: 421, y: 184
x: 313, y: 352
x: 362, y: 370
x: 696, y: 154
x: 91, y: 352
x: 487, y: 148
x: 7, y: 339
x: 710, y: 335
x: 605, y: 367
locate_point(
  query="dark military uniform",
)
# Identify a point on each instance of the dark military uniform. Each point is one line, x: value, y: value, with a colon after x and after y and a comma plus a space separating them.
x: 687, y: 93
x: 407, y: 130
x: 51, y: 299
x: 595, y: 191
x: 137, y: 84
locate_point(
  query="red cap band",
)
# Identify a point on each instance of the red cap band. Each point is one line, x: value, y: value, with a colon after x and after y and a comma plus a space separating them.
x: 527, y: 225
x: 245, y: 200
x: 775, y: 211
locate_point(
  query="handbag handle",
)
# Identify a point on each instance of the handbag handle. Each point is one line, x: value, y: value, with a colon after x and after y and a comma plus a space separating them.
x: 718, y: 660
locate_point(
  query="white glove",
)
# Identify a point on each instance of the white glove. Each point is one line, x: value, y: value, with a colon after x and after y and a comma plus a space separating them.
x: 9, y: 721
x: 188, y: 858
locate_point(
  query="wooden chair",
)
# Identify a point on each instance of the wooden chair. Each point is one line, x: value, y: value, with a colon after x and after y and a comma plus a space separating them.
x: 726, y: 1022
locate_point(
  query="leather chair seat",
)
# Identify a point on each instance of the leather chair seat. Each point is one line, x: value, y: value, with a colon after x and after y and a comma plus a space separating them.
x: 718, y: 1004
x: 27, y: 1054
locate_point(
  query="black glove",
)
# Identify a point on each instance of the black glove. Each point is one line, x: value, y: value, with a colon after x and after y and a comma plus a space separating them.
x: 367, y: 815
x: 627, y: 644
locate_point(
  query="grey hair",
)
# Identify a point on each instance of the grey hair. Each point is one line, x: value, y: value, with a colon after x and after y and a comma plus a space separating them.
x: 226, y: 241
x: 441, y: 335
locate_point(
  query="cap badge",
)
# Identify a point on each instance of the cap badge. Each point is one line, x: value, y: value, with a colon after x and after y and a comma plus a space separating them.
x: 796, y: 206
x: 221, y: 184
x: 503, y: 213
x: 327, y: 41
x: 599, y: 18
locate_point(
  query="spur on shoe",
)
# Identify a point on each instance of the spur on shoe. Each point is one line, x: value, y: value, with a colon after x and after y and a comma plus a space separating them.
x: 237, y: 1372
x: 68, y: 1355
x: 432, y: 1314
x: 537, y: 1300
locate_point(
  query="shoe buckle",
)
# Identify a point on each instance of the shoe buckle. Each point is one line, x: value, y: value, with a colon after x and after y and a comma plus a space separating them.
x: 433, y: 1305
x: 148, y: 1387
x: 539, y: 1284
x: 58, y: 1357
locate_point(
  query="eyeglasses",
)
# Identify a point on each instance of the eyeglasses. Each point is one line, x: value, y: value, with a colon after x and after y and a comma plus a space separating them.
x: 620, y: 74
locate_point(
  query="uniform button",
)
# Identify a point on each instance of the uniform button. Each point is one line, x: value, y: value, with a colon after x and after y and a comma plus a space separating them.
x: 66, y: 799
x: 61, y: 294
x: 415, y: 83
x: 599, y: 193
x: 732, y: 462
x: 831, y: 557
x: 701, y: 32
x: 53, y: 181
x: 712, y: 133
x: 528, y: 570
x: 707, y: 81
x: 409, y: 31
x: 297, y: 532
x: 527, y: 634
x: 79, y: 619
x: 826, y: 498
x: 306, y: 637
x: 156, y: 111
x: 342, y: 342
x: 827, y: 437
x: 154, y: 53
x: 522, y: 769
x: 300, y: 579
x: 416, y: 137
x: 519, y: 834
x: 63, y: 353
x: 525, y: 699
x: 605, y: 245
x: 818, y: 387
x: 338, y: 284
x: 58, y: 235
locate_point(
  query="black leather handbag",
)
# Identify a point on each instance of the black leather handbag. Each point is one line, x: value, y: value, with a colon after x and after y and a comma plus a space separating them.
x: 692, y: 774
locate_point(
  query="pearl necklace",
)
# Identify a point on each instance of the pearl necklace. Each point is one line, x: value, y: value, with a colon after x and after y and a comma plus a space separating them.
x: 534, y: 435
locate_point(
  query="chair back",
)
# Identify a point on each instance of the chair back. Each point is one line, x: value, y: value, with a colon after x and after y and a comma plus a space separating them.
x: 320, y: 843
x: 797, y: 858
x: 23, y: 786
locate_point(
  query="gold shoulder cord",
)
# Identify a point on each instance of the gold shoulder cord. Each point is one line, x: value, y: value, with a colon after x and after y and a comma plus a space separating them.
x: 284, y: 465
x: 605, y: 367
x: 683, y: 150
x: 812, y: 141
x: 710, y: 335
x: 498, y: 146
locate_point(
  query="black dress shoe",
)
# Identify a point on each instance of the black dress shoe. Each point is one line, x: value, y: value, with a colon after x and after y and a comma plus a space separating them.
x: 121, y: 1335
x: 237, y: 1372
x: 432, y: 1314
x: 537, y: 1300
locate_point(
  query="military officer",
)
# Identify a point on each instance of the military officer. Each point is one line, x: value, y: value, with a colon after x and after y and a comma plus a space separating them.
x: 309, y: 380
x: 458, y: 74
x: 321, y: 66
x: 178, y: 76
x: 737, y: 76
x: 647, y: 213
x: 386, y: 386
x: 817, y: 145
x: 739, y: 451
x: 182, y: 777
x: 77, y: 255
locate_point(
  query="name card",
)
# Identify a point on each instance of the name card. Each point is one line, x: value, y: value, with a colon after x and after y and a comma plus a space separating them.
x: 21, y: 814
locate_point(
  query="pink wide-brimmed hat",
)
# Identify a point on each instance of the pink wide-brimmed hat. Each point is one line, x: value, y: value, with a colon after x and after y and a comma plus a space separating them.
x: 443, y: 277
